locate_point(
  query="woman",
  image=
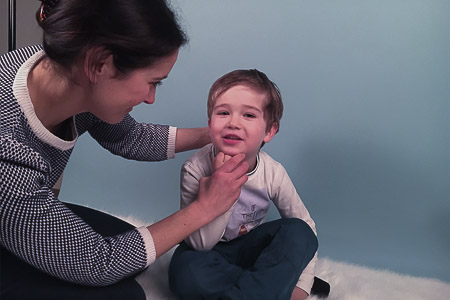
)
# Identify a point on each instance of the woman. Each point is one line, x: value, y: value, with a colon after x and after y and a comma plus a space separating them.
x: 99, y: 59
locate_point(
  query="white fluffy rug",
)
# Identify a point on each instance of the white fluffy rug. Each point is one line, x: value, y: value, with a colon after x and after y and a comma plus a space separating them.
x: 348, y: 281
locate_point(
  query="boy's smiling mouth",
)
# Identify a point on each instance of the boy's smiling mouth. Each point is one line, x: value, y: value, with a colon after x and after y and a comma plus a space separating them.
x: 232, y: 138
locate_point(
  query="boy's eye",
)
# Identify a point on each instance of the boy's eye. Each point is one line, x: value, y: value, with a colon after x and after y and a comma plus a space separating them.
x: 248, y: 115
x: 222, y: 113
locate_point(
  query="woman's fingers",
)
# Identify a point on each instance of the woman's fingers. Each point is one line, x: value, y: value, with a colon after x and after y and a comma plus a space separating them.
x: 220, y: 159
x: 219, y: 191
x: 227, y: 163
x: 232, y: 169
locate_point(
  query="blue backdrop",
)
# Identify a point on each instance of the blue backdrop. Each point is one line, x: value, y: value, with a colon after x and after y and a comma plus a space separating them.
x: 364, y: 137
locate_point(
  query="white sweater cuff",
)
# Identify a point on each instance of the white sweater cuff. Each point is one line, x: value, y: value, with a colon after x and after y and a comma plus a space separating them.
x: 171, y: 142
x: 149, y: 244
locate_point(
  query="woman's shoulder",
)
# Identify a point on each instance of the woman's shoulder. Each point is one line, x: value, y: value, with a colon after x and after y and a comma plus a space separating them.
x: 17, y: 57
x: 10, y: 63
x: 21, y: 154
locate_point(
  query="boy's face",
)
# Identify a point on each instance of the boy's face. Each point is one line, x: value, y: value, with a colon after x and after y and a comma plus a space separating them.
x: 237, y: 123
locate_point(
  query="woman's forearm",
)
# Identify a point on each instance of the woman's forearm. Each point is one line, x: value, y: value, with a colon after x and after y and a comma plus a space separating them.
x: 216, y: 194
x: 191, y: 138
x: 176, y: 227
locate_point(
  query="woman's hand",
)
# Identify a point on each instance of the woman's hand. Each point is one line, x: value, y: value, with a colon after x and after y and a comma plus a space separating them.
x: 220, y: 159
x: 216, y: 195
x: 218, y: 192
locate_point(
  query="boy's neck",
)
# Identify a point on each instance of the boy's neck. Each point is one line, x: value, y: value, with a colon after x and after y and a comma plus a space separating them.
x: 252, y: 163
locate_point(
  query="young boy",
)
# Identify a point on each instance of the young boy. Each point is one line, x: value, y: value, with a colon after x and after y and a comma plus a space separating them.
x: 236, y: 256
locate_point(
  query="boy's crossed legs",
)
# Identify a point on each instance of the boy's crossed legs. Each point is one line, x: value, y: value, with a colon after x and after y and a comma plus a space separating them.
x: 263, y: 264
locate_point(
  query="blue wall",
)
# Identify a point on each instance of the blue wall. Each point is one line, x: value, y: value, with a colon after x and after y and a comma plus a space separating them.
x: 364, y: 137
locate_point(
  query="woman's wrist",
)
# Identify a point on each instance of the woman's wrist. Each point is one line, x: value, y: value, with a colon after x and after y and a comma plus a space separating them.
x: 171, y: 230
x: 191, y: 138
x: 204, y: 213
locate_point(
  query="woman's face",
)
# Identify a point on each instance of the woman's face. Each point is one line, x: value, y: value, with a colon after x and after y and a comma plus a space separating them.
x: 114, y: 97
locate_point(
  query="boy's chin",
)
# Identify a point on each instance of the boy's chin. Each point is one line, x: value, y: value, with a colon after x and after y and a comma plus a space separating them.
x: 227, y: 152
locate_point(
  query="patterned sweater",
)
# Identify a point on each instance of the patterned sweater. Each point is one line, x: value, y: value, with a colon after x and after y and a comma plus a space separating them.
x: 36, y: 226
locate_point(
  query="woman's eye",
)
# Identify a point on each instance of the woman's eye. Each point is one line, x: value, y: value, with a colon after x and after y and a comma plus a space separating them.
x: 157, y: 83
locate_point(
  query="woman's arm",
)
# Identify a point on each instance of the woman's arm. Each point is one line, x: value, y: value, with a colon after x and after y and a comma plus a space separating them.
x: 133, y: 140
x: 130, y: 139
x: 216, y: 195
x: 191, y: 138
x: 39, y: 229
x: 192, y: 170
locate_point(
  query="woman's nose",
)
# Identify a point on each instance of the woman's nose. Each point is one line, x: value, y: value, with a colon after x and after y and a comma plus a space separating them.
x: 150, y: 99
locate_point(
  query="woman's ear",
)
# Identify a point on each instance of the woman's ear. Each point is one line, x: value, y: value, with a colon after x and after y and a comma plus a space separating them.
x: 271, y: 132
x: 98, y: 62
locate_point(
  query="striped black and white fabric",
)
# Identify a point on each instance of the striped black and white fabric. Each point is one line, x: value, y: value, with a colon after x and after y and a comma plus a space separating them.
x: 35, y: 225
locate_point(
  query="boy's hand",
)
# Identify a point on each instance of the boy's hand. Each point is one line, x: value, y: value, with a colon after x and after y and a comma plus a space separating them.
x: 299, y: 294
x: 218, y: 192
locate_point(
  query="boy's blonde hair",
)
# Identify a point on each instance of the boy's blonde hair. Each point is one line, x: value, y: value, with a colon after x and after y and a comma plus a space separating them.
x: 256, y: 80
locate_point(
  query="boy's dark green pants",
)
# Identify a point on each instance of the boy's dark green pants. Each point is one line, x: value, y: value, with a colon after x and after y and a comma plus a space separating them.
x: 263, y: 264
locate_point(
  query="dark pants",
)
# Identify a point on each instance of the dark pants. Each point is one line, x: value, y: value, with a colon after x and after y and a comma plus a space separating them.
x: 263, y: 264
x: 19, y: 280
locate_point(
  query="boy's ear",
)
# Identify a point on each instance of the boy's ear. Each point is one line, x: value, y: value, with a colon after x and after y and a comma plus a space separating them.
x: 98, y: 62
x: 271, y: 133
x: 209, y: 123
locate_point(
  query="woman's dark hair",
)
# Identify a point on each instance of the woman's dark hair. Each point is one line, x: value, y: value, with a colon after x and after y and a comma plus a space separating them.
x: 135, y: 32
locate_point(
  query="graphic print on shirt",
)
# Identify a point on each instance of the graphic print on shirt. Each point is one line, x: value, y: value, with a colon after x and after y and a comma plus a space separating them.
x: 247, y: 214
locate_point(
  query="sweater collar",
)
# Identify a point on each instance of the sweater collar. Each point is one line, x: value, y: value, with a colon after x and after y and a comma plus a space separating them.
x: 20, y: 91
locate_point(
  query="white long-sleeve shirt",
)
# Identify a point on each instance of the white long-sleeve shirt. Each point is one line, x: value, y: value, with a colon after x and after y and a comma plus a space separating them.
x: 269, y: 181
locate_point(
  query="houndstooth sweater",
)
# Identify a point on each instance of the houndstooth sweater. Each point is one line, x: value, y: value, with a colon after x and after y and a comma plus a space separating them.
x: 36, y: 226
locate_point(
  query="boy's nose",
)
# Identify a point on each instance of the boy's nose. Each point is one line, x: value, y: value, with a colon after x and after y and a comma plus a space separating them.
x: 234, y: 122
